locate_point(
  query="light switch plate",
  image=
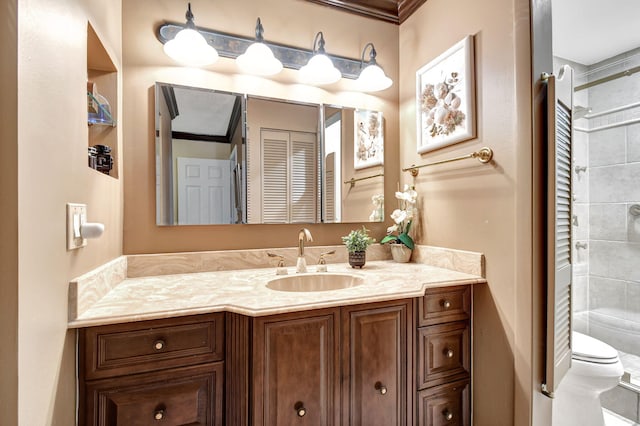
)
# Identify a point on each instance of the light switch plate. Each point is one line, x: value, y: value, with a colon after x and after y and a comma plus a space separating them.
x: 76, y: 216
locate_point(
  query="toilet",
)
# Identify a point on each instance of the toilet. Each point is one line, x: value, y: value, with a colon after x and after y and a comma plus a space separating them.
x: 595, y: 368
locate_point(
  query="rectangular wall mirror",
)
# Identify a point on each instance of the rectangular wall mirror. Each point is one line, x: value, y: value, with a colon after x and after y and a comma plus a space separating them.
x: 227, y: 158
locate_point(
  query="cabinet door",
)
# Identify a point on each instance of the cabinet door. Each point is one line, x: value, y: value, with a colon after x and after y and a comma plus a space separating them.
x: 376, y: 363
x: 296, y: 369
x: 187, y: 396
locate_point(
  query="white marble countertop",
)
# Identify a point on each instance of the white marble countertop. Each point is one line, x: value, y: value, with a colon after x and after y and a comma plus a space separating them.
x: 245, y: 292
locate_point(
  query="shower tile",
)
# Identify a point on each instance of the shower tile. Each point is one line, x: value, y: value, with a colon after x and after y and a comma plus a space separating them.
x: 633, y: 224
x: 610, y: 95
x: 581, y: 322
x: 607, y: 147
x: 614, y: 184
x: 606, y: 294
x: 581, y: 187
x: 614, y: 93
x: 633, y: 302
x: 581, y: 147
x: 580, y: 293
x: 621, y: 401
x: 581, y: 221
x: 633, y: 143
x: 615, y: 260
x: 608, y: 222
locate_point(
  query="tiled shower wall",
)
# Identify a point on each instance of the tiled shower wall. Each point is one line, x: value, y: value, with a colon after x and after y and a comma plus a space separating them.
x: 606, y: 237
x: 606, y: 186
x: 614, y: 187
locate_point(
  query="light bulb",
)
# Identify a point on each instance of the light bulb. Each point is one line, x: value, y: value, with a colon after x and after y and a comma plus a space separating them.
x: 373, y: 79
x: 189, y: 47
x: 259, y: 60
x: 319, y: 70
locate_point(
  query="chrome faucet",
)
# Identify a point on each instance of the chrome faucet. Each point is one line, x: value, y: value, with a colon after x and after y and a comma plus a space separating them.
x: 301, y: 265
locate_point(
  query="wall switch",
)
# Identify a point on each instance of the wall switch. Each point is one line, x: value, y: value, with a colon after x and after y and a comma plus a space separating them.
x: 76, y: 216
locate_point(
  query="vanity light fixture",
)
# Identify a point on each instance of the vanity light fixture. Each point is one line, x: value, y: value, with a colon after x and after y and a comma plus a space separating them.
x: 232, y: 46
x: 320, y: 69
x: 258, y: 59
x: 189, y: 47
x: 372, y: 78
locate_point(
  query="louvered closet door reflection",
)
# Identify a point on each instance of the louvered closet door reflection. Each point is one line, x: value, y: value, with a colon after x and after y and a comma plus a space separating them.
x: 289, y: 173
x: 275, y: 176
x: 303, y: 177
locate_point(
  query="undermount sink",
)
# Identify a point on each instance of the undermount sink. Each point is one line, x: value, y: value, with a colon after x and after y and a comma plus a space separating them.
x: 314, y: 282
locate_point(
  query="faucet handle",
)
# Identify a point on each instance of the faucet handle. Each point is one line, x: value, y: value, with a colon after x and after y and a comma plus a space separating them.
x: 321, y: 260
x: 279, y: 257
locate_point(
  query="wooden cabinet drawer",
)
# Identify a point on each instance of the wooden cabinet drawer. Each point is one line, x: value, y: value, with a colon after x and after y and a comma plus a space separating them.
x: 186, y: 396
x: 444, y: 405
x: 443, y: 353
x: 444, y: 305
x: 116, y: 350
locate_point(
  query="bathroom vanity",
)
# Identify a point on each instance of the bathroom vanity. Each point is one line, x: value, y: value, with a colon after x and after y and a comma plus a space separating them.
x: 398, y: 355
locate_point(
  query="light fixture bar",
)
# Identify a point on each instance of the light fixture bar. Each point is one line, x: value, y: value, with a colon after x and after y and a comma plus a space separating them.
x: 232, y: 46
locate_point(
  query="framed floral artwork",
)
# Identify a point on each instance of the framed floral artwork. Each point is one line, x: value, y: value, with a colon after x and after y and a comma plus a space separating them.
x: 368, y: 142
x: 445, y: 98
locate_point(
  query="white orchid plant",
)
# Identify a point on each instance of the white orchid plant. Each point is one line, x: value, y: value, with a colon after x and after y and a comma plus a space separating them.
x: 403, y: 217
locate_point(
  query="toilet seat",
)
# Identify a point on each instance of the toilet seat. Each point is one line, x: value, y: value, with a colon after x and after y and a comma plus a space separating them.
x: 587, y: 349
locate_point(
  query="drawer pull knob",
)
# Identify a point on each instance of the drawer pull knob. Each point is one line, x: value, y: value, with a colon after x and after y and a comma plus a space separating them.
x: 448, y: 415
x: 300, y: 410
x: 446, y: 304
x: 381, y: 388
x: 158, y: 415
x: 158, y: 345
x: 449, y: 353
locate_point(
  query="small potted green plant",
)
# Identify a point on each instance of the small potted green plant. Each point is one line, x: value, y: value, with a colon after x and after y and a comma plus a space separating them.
x: 357, y: 242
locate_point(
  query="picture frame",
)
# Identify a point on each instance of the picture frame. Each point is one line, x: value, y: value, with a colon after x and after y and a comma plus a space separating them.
x: 368, y: 140
x: 445, y: 98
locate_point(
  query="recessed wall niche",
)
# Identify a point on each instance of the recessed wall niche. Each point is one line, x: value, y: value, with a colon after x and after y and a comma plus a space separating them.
x: 102, y: 100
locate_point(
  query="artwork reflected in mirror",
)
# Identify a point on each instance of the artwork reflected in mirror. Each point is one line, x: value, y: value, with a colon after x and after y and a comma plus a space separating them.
x: 225, y: 158
x: 361, y: 191
x: 369, y: 139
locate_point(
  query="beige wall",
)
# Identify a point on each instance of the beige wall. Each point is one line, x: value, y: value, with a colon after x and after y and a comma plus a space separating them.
x: 484, y: 208
x: 52, y: 170
x: 285, y: 21
x: 465, y: 206
x: 9, y: 203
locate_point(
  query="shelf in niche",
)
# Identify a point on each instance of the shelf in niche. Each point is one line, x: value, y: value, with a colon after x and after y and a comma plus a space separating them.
x: 102, y: 107
x: 103, y: 115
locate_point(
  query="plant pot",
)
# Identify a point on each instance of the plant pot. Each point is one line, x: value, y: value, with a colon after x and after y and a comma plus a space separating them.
x: 400, y: 253
x: 357, y: 259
